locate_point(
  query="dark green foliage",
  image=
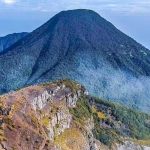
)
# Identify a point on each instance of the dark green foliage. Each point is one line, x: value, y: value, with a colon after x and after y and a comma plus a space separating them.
x: 83, y: 109
x: 137, y: 124
x: 106, y: 136
x: 109, y: 130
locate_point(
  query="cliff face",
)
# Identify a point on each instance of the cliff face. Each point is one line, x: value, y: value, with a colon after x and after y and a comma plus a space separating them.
x: 33, y: 117
x: 49, y: 116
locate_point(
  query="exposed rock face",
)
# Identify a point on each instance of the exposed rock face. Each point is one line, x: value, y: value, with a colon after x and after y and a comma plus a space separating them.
x: 39, y: 117
x: 131, y: 146
x: 60, y: 121
x: 31, y: 118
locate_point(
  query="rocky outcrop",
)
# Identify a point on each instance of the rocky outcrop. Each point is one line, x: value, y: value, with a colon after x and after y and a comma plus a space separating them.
x: 89, y: 125
x: 131, y: 146
x: 52, y: 116
x: 62, y: 96
x: 59, y: 122
x: 38, y: 115
x: 56, y: 92
x: 40, y: 101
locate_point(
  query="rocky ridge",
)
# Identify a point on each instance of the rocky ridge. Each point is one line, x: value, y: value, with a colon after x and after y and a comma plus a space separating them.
x: 31, y: 118
x: 42, y: 117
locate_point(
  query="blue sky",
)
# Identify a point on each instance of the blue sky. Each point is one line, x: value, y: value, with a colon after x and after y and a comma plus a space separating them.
x: 130, y: 16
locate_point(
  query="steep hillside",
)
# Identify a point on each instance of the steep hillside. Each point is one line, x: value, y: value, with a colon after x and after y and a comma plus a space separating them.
x: 81, y: 45
x: 61, y: 116
x: 10, y: 39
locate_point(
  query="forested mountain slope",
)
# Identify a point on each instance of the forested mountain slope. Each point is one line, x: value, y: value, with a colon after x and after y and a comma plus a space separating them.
x: 83, y: 46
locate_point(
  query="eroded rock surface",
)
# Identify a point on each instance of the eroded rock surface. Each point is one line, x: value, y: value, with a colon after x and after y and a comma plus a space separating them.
x: 32, y: 117
x: 46, y: 117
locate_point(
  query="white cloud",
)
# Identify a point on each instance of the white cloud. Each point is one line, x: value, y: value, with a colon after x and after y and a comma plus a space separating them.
x: 117, y: 6
x: 9, y: 1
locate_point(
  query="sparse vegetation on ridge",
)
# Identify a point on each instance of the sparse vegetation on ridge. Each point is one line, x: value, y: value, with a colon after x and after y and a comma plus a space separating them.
x: 120, y: 121
x: 113, y: 122
x: 82, y: 111
x: 72, y: 85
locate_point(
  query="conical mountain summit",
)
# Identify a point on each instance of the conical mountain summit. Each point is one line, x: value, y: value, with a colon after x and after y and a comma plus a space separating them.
x: 83, y: 46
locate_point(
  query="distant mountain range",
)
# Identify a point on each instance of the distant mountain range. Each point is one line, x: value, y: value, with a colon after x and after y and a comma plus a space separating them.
x: 10, y: 39
x: 83, y: 46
